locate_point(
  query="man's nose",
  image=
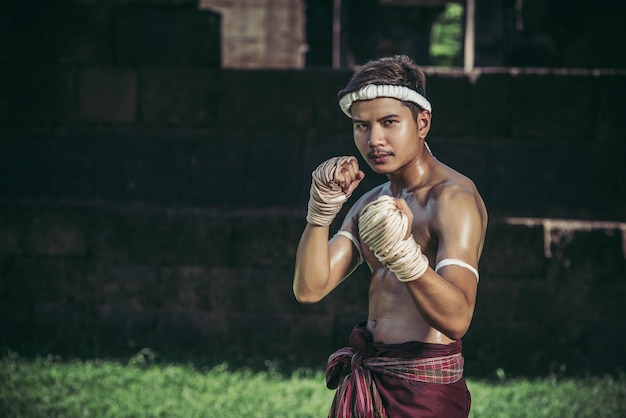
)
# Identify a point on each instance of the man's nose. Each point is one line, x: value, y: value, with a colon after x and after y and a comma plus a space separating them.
x: 377, y: 136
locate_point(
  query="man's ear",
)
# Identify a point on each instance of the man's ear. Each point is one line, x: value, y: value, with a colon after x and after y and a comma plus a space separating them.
x: 423, y: 123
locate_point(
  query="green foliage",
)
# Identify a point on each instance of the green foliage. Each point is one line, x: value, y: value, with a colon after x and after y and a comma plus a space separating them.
x: 446, y: 36
x: 49, y: 387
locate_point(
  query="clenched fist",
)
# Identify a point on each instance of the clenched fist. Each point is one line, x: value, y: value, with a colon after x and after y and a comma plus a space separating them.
x: 333, y: 182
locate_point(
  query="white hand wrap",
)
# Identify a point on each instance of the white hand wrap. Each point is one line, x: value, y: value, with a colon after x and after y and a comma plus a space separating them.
x: 326, y: 196
x: 382, y: 226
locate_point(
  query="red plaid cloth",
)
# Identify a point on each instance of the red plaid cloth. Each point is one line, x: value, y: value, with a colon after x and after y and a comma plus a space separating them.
x: 357, y: 395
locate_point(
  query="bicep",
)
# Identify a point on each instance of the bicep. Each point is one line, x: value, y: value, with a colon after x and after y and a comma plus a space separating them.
x: 345, y: 249
x: 344, y: 259
x: 461, y: 224
x: 460, y: 228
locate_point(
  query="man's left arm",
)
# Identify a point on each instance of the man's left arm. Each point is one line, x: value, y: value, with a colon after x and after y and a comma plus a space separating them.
x: 446, y: 297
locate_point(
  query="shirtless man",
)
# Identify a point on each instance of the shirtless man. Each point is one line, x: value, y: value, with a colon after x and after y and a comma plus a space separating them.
x: 421, y: 306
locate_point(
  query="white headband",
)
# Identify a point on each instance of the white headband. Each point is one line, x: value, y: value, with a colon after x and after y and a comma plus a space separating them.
x: 374, y: 91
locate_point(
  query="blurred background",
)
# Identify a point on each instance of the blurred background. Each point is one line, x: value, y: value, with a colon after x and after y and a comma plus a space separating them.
x: 155, y: 160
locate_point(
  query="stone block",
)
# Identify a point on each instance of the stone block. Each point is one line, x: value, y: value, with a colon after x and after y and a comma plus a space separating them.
x: 43, y: 95
x: 276, y: 97
x: 260, y: 291
x: 587, y: 255
x: 125, y: 328
x: 167, y: 36
x: 518, y: 181
x: 127, y: 237
x: 490, y: 110
x: 526, y: 300
x: 319, y: 34
x: 23, y: 164
x: 107, y: 95
x: 23, y: 32
x: 196, y: 238
x: 84, y: 165
x: 190, y: 286
x: 64, y: 328
x: 28, y: 281
x: 5, y: 34
x: 606, y: 300
x: 57, y: 232
x: 265, y: 240
x: 583, y: 181
x: 450, y: 99
x: 544, y: 105
x: 76, y: 34
x: 14, y: 224
x: 163, y: 167
x: 273, y: 167
x: 319, y: 146
x: 603, y: 336
x: 521, y: 348
x: 153, y: 238
x: 16, y: 324
x: 620, y: 208
x: 610, y: 112
x: 350, y: 298
x: 178, y: 96
x: 82, y: 282
x: 293, y: 338
x: 513, y: 252
x: 184, y: 331
x: 219, y: 168
x: 469, y: 158
x: 4, y: 99
x: 321, y: 91
x: 134, y: 285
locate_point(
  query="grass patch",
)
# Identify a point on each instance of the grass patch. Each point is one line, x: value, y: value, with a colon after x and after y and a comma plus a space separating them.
x: 519, y: 398
x: 48, y: 387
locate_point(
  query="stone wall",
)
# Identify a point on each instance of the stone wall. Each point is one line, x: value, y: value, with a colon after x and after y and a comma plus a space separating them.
x: 156, y: 200
x: 261, y: 33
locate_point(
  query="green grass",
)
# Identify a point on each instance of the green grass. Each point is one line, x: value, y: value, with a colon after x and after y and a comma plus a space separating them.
x: 45, y: 387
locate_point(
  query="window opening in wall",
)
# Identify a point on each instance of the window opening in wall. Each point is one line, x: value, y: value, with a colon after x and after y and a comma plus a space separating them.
x: 348, y: 33
x: 446, y: 37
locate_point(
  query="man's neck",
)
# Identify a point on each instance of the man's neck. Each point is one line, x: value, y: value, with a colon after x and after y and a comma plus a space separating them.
x: 414, y: 176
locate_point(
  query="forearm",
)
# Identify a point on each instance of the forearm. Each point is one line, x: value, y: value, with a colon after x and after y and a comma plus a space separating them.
x: 442, y: 304
x: 312, y: 270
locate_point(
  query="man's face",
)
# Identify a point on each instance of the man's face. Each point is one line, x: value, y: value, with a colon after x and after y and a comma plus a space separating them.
x: 385, y: 133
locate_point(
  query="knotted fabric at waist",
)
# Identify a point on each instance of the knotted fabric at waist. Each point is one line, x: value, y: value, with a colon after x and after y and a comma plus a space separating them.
x: 357, y: 395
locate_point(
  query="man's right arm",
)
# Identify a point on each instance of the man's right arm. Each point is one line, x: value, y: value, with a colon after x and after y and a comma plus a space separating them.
x: 322, y: 264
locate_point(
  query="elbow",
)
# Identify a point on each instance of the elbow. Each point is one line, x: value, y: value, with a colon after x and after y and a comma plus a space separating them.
x: 306, y: 298
x: 457, y: 330
x: 456, y: 334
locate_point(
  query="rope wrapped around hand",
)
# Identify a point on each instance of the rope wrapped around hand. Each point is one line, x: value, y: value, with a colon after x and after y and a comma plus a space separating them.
x: 383, y: 226
x: 326, y: 195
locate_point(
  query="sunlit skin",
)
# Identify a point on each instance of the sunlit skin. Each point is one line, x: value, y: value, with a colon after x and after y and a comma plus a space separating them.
x: 448, y: 220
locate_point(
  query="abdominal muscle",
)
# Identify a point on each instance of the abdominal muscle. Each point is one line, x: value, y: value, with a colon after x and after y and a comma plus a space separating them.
x: 393, y: 317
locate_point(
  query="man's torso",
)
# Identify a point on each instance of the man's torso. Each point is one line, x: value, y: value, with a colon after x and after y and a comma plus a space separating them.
x: 393, y: 316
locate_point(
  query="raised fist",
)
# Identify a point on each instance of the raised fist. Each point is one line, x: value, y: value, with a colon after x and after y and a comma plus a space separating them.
x: 333, y: 182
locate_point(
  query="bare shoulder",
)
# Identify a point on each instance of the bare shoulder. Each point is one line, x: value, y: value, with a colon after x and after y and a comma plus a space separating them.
x: 456, y: 199
x: 454, y: 188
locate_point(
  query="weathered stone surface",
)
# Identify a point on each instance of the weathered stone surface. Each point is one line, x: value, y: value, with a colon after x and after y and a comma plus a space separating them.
x: 166, y: 36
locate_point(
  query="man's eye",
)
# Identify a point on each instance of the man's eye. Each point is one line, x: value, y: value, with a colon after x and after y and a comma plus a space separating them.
x: 389, y: 122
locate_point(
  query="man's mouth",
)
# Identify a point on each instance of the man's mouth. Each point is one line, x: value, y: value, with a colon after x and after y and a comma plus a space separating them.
x: 379, y: 157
